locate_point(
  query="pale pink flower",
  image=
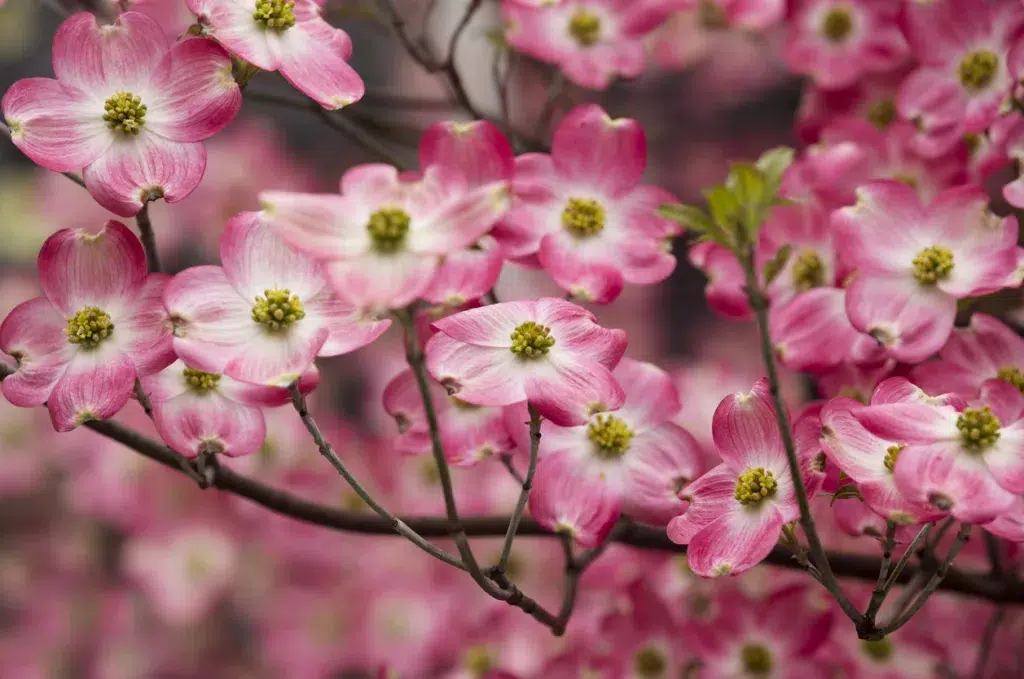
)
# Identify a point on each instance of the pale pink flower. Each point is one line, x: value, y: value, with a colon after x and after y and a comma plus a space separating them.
x: 964, y: 80
x: 174, y: 16
x: 915, y: 261
x: 736, y: 511
x: 584, y: 213
x: 591, y: 41
x: 196, y: 411
x: 98, y: 327
x: 548, y: 352
x: 469, y: 433
x: 266, y: 314
x: 383, y: 239
x: 837, y: 42
x: 289, y: 36
x: 967, y: 461
x: 634, y: 460
x: 127, y: 106
x: 984, y: 350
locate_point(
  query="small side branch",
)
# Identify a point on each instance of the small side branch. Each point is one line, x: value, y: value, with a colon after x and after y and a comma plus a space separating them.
x: 148, y: 239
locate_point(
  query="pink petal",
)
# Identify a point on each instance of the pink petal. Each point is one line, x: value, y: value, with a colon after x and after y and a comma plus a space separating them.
x: 232, y: 24
x: 985, y: 259
x: 651, y: 394
x: 311, y: 56
x: 567, y: 499
x: 382, y: 281
x: 1010, y: 524
x: 34, y: 333
x: 142, y: 168
x: 95, y: 386
x: 478, y: 375
x: 661, y: 462
x: 866, y: 233
x: 1006, y: 400
x: 256, y: 260
x: 167, y: 384
x: 798, y: 326
x: 710, y: 496
x: 108, y: 58
x: 858, y: 452
x: 319, y: 224
x: 466, y: 275
x: 1006, y: 458
x: 576, y: 331
x: 488, y: 326
x: 607, y: 154
x: 736, y: 542
x: 196, y: 93
x: 52, y: 124
x: 478, y: 149
x: 348, y: 327
x: 908, y: 422
x: 569, y: 389
x: 144, y: 328
x: 79, y: 269
x: 746, y: 430
x: 471, y: 435
x: 593, y: 279
x: 724, y: 292
x: 461, y: 221
x: 277, y: 359
x: 191, y: 423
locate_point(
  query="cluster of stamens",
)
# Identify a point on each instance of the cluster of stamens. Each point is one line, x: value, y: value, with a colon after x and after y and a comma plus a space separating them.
x: 531, y: 340
x: 650, y: 663
x: 611, y: 436
x: 754, y: 485
x: 979, y: 428
x: 275, y: 15
x: 837, y: 25
x: 808, y: 271
x: 585, y: 27
x: 933, y: 264
x: 978, y: 69
x: 882, y: 113
x: 200, y: 381
x: 757, y: 660
x: 1012, y: 375
x: 388, y: 228
x: 892, y: 453
x: 878, y: 649
x: 278, y: 309
x: 124, y: 112
x: 89, y: 326
x: 583, y: 217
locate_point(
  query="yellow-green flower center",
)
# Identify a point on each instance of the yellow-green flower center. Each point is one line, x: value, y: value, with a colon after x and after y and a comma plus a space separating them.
x: 757, y: 660
x: 978, y: 70
x: 200, y: 381
x: 124, y: 112
x: 479, y: 661
x: 650, y: 663
x: 583, y: 217
x: 531, y: 340
x: 878, y: 649
x: 837, y: 25
x: 275, y: 15
x: 278, y: 309
x: 892, y: 453
x: 585, y: 27
x: 808, y: 271
x: 89, y: 327
x: 881, y: 113
x: 754, y: 485
x: 388, y: 228
x: 611, y: 436
x: 933, y: 264
x: 979, y: 428
x: 1012, y: 375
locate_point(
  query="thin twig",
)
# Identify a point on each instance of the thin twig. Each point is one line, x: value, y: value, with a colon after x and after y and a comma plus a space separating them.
x: 995, y: 555
x: 909, y: 552
x: 988, y: 639
x: 524, y: 494
x: 555, y: 88
x: 878, y: 595
x: 148, y: 239
x: 508, y: 463
x: 299, y: 402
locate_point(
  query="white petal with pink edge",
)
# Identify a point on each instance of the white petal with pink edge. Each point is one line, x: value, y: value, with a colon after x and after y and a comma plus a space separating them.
x: 709, y: 497
x: 735, y: 542
x: 660, y: 463
x: 231, y: 22
x: 35, y: 334
x: 382, y: 281
x: 477, y: 375
x: 312, y: 57
x: 108, y: 58
x: 605, y: 153
x: 746, y: 430
x: 349, y: 328
x: 651, y: 395
x: 488, y: 326
x: 95, y: 386
x: 567, y: 499
x: 461, y: 221
x: 568, y: 389
x: 194, y: 422
x: 143, y: 329
x: 320, y: 224
x: 466, y: 275
x: 277, y: 358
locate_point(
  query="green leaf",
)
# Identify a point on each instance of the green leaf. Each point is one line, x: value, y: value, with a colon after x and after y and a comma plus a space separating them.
x: 774, y: 266
x: 747, y: 183
x: 691, y: 217
x: 772, y: 164
x: 846, y: 492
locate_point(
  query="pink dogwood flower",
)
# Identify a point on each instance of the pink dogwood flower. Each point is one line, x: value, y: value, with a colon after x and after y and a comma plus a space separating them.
x: 836, y: 42
x: 634, y: 460
x: 584, y: 213
x: 591, y: 41
x: 289, y: 36
x: 266, y: 314
x: 173, y: 16
x: 736, y: 511
x: 128, y: 106
x: 383, y: 239
x: 915, y: 261
x: 196, y: 411
x: 469, y: 433
x: 98, y: 326
x: 548, y: 352
x: 967, y: 461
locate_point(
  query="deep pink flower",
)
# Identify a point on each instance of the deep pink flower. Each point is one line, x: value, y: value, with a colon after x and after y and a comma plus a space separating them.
x: 469, y: 433
x: 965, y: 461
x: 725, y: 292
x: 266, y: 315
x: 634, y: 460
x: 289, y: 36
x: 984, y: 350
x: 382, y: 240
x: 548, y: 352
x: 127, y: 106
x: 584, y: 213
x: 98, y: 327
x: 737, y: 510
x: 915, y: 261
x: 836, y: 42
x: 591, y: 41
x: 173, y: 16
